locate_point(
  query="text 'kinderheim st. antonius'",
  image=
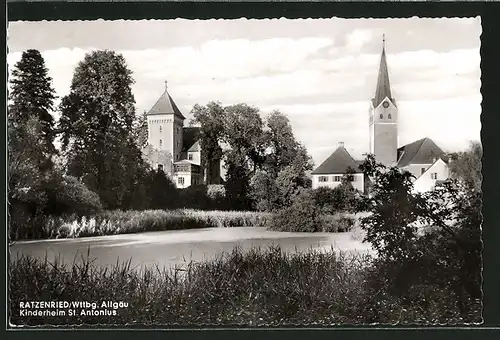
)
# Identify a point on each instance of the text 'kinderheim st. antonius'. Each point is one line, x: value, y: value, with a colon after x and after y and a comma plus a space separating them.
x: 71, y: 308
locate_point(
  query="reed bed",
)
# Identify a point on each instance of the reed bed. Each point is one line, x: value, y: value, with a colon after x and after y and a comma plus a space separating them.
x: 239, y: 288
x: 131, y: 221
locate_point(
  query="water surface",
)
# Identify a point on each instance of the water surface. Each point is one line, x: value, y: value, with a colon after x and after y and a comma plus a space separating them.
x: 168, y: 248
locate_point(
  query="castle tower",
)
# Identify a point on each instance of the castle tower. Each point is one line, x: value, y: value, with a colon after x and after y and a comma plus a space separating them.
x: 165, y: 127
x: 383, y: 118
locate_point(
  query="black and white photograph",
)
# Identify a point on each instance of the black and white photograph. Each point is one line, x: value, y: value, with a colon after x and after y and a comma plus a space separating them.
x: 244, y: 173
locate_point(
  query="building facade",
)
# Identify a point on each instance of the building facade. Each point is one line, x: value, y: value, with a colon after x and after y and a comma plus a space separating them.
x: 181, y: 145
x: 422, y: 158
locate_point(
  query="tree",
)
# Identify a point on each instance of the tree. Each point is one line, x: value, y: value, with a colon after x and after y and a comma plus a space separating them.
x: 210, y: 118
x: 282, y: 148
x: 32, y: 96
x: 285, y: 164
x: 264, y: 191
x: 141, y: 130
x: 466, y: 166
x: 425, y: 242
x: 97, y: 126
x: 244, y: 134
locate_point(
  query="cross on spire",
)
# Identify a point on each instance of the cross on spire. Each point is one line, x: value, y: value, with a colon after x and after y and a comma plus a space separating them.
x: 166, y: 84
x: 383, y: 40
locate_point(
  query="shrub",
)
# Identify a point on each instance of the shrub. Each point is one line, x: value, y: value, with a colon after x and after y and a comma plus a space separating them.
x: 70, y: 195
x: 302, y: 216
x: 343, y: 198
x: 338, y: 223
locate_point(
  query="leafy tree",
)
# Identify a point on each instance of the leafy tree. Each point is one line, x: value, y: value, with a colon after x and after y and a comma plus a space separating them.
x: 285, y: 164
x: 210, y: 118
x: 237, y: 183
x: 264, y: 191
x: 97, y: 126
x: 243, y: 133
x: 141, y: 130
x: 25, y: 195
x: 466, y: 166
x: 424, y: 241
x: 32, y: 96
x: 282, y: 148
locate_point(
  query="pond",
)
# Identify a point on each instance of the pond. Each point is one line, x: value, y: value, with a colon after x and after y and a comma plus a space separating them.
x: 169, y: 248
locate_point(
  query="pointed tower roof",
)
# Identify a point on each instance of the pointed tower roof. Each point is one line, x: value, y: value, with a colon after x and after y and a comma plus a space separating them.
x: 337, y: 163
x: 165, y: 105
x: 383, y: 85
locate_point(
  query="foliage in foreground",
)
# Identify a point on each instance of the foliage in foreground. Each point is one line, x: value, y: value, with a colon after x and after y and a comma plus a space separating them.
x: 422, y: 239
x: 256, y: 287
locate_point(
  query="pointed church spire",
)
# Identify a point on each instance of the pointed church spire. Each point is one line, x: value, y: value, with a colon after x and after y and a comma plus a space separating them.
x: 383, y: 85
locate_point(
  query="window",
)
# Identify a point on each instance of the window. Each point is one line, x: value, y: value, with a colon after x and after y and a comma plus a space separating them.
x: 160, y: 129
x: 434, y: 175
x: 178, y: 130
x: 176, y: 157
x: 160, y: 167
x: 323, y: 178
x: 177, y: 143
x: 180, y: 180
x: 190, y: 156
x: 389, y: 116
x: 337, y: 178
x: 422, y: 170
x: 161, y: 143
x: 381, y: 116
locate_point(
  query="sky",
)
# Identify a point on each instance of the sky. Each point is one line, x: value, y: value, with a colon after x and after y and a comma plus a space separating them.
x: 321, y: 73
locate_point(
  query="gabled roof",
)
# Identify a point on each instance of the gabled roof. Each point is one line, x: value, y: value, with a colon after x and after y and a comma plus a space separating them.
x: 422, y: 151
x: 337, y: 163
x: 195, y: 147
x: 165, y: 105
x: 430, y: 168
x: 383, y: 89
x: 190, y: 136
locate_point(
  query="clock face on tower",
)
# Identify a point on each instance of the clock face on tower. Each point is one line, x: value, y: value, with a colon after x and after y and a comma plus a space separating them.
x: 385, y: 104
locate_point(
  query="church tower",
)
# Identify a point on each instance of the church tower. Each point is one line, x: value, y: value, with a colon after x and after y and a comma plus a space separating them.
x: 383, y: 118
x: 165, y: 128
